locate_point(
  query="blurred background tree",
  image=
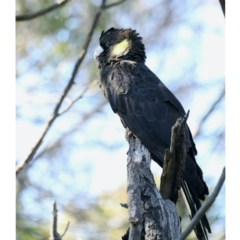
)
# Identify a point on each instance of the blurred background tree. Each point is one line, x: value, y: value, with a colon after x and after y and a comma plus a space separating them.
x: 82, y: 160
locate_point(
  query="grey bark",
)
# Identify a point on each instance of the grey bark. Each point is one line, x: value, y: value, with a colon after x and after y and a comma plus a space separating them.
x: 54, y: 235
x: 174, y: 162
x: 150, y: 216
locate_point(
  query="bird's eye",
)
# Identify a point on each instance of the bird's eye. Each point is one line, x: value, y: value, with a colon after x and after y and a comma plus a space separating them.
x: 109, y: 43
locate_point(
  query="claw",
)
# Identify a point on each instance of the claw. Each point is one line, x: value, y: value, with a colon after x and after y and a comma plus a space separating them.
x: 128, y: 134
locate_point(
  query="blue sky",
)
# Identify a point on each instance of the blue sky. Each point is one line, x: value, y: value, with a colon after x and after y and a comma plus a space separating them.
x: 105, y: 128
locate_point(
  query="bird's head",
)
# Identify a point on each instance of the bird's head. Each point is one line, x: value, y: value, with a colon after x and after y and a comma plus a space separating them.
x: 120, y: 44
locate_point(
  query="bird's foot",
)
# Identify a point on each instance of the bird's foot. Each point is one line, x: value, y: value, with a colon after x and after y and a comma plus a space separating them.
x: 128, y: 134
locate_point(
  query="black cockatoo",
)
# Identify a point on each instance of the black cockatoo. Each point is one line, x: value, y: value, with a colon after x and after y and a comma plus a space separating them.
x: 147, y: 108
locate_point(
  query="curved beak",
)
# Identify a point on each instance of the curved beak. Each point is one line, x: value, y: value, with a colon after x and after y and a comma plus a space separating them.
x: 97, y: 52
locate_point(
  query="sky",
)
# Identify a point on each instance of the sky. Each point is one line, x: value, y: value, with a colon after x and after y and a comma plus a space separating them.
x: 211, y: 46
x: 8, y: 110
x: 108, y: 124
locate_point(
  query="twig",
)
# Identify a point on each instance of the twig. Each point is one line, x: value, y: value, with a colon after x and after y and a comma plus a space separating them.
x: 204, y: 207
x: 124, y: 205
x: 66, y: 90
x: 205, y: 117
x: 222, y: 3
x: 41, y: 12
x: 85, y: 117
x: 113, y: 4
x: 72, y: 102
x: 54, y: 234
x: 65, y: 230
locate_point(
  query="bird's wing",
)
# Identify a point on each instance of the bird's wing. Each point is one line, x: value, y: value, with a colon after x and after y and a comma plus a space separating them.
x: 144, y: 103
x: 149, y: 110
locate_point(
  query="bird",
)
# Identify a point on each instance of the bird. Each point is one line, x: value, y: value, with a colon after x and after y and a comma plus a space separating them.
x: 147, y: 108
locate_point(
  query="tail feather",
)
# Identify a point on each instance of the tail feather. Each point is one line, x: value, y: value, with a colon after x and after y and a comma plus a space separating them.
x: 193, y: 204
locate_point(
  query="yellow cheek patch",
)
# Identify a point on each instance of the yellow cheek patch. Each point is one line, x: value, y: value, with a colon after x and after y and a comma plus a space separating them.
x: 119, y: 48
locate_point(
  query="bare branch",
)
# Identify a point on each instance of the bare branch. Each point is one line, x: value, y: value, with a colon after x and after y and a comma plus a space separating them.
x: 65, y: 230
x: 66, y: 90
x: 222, y: 3
x: 174, y: 162
x: 211, y: 109
x: 124, y: 205
x: 72, y: 102
x: 204, y: 207
x: 113, y: 4
x: 133, y: 188
x: 41, y: 12
x: 85, y: 117
x: 146, y: 208
x: 54, y: 234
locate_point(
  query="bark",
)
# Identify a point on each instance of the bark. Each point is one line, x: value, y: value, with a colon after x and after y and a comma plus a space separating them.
x: 150, y: 216
x: 174, y: 162
x: 153, y: 214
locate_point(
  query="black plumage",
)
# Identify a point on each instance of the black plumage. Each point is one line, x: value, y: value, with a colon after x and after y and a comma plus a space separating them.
x: 147, y: 107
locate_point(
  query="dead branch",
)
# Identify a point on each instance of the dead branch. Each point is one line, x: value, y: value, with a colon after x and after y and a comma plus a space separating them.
x: 151, y: 213
x: 150, y: 216
x: 222, y: 3
x: 208, y: 203
x: 54, y: 234
x: 41, y: 12
x: 113, y: 4
x: 174, y: 162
